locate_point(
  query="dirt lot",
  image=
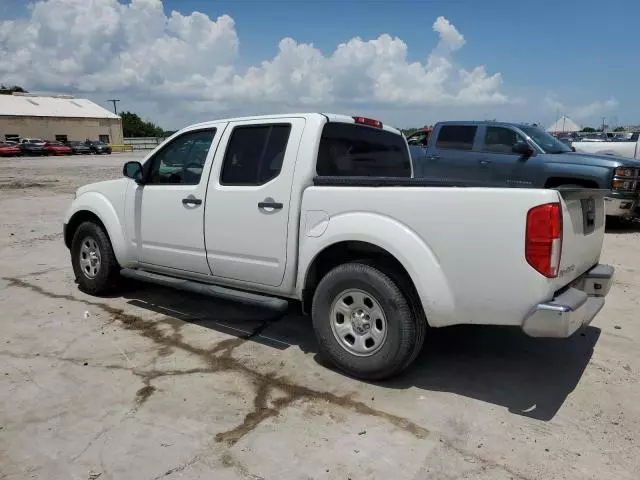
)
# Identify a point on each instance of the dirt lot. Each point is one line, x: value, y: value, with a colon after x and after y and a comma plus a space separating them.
x: 159, y: 384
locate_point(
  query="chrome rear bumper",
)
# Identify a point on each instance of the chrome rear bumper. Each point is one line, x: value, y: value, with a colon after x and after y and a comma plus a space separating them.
x: 573, y: 308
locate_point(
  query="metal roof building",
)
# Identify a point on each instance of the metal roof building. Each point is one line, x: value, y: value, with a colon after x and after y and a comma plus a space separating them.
x: 58, y: 117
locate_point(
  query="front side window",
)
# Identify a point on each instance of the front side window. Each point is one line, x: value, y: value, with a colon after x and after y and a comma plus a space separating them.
x: 254, y: 154
x: 501, y: 140
x: 182, y: 160
x: 348, y: 150
x: 456, y: 137
x: 548, y: 143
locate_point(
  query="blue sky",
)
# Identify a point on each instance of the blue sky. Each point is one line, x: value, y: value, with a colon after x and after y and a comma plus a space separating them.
x: 578, y: 58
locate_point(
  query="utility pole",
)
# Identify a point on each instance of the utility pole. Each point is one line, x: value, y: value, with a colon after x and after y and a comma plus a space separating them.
x: 114, y: 100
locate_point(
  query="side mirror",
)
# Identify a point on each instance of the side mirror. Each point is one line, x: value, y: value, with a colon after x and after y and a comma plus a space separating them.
x: 133, y: 170
x: 523, y: 149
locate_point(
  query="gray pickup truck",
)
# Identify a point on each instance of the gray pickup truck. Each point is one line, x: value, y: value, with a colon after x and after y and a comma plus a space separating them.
x: 496, y: 154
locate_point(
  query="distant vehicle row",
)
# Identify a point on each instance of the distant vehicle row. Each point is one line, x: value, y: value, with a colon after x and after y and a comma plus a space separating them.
x: 37, y: 146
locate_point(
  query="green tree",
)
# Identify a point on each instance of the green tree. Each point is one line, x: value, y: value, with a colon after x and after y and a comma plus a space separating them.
x: 9, y: 90
x: 134, y: 126
x: 588, y: 129
x: 618, y: 129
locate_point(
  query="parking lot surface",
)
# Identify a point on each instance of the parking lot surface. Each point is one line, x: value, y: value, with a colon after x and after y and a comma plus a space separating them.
x: 153, y: 383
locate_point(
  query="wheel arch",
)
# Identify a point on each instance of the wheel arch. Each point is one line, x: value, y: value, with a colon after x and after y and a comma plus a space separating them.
x: 96, y: 208
x: 556, y: 181
x: 345, y: 252
x: 76, y: 220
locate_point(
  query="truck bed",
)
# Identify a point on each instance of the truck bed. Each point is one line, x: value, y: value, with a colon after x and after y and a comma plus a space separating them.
x: 454, y: 238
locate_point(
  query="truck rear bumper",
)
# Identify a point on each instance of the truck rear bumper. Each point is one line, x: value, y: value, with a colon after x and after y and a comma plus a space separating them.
x: 573, y: 308
x: 619, y: 207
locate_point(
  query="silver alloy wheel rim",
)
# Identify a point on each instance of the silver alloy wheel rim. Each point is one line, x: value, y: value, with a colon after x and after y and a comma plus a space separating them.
x: 358, y: 322
x: 90, y: 257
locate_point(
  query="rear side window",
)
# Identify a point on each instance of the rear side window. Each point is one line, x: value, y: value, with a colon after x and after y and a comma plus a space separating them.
x: 456, y: 137
x: 354, y: 150
x: 254, y: 154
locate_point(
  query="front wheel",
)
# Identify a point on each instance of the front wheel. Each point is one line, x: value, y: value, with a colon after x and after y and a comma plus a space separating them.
x: 364, y: 323
x: 94, y: 263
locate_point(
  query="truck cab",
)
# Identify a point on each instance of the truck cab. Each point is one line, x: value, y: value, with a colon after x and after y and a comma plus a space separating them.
x: 500, y: 154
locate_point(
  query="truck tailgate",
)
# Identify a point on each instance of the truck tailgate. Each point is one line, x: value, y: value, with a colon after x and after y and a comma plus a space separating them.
x: 583, y: 232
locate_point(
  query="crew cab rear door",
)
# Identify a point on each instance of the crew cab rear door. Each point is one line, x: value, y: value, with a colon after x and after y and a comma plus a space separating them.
x: 246, y: 218
x: 451, y: 156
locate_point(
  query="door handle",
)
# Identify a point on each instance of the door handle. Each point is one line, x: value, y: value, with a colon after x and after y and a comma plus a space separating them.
x: 433, y: 156
x: 274, y: 205
x: 484, y: 162
x: 191, y: 201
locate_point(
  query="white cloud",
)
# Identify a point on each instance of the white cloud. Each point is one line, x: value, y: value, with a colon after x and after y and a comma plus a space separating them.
x: 594, y: 108
x: 142, y: 53
x: 584, y: 111
x: 450, y: 37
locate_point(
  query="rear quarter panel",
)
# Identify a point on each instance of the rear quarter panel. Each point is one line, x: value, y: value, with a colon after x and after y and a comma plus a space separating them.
x: 463, y: 247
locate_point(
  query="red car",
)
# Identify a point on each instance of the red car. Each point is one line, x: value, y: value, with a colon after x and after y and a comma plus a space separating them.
x: 421, y: 137
x: 8, y: 150
x: 57, y: 148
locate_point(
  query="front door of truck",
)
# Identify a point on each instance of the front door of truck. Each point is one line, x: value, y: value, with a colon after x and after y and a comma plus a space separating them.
x: 165, y: 214
x: 248, y: 202
x: 503, y: 166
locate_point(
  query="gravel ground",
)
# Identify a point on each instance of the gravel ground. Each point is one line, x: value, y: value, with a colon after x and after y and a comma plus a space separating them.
x: 154, y: 383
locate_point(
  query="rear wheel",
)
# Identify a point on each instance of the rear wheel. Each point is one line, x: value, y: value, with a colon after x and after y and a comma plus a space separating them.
x: 94, y: 263
x: 364, y: 323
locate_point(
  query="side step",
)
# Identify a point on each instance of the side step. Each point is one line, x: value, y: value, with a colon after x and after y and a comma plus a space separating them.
x: 230, y: 294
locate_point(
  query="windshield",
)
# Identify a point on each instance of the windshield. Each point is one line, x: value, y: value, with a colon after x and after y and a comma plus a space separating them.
x: 546, y: 142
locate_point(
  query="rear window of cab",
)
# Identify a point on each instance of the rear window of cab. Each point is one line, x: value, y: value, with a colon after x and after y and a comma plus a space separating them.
x: 349, y: 150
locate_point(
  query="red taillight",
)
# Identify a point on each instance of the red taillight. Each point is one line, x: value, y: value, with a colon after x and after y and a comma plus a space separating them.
x: 543, y: 244
x: 368, y: 121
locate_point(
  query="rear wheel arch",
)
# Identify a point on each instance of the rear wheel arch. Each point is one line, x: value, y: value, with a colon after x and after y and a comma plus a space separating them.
x: 361, y: 252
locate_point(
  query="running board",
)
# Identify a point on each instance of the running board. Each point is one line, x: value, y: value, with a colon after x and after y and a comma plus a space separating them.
x: 230, y: 294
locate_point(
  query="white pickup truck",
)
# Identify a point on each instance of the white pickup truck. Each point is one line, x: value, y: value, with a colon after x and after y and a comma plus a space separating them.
x: 628, y: 148
x: 322, y: 209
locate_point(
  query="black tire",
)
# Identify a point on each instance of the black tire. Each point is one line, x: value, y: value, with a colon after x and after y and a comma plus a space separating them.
x: 106, y: 277
x: 403, y: 339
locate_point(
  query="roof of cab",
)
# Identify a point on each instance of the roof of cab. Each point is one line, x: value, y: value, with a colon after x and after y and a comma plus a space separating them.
x: 487, y: 122
x: 331, y: 117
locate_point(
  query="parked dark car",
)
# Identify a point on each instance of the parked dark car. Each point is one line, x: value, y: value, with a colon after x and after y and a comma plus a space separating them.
x: 32, y: 146
x: 9, y: 150
x: 99, y: 147
x: 79, y: 148
x: 500, y: 154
